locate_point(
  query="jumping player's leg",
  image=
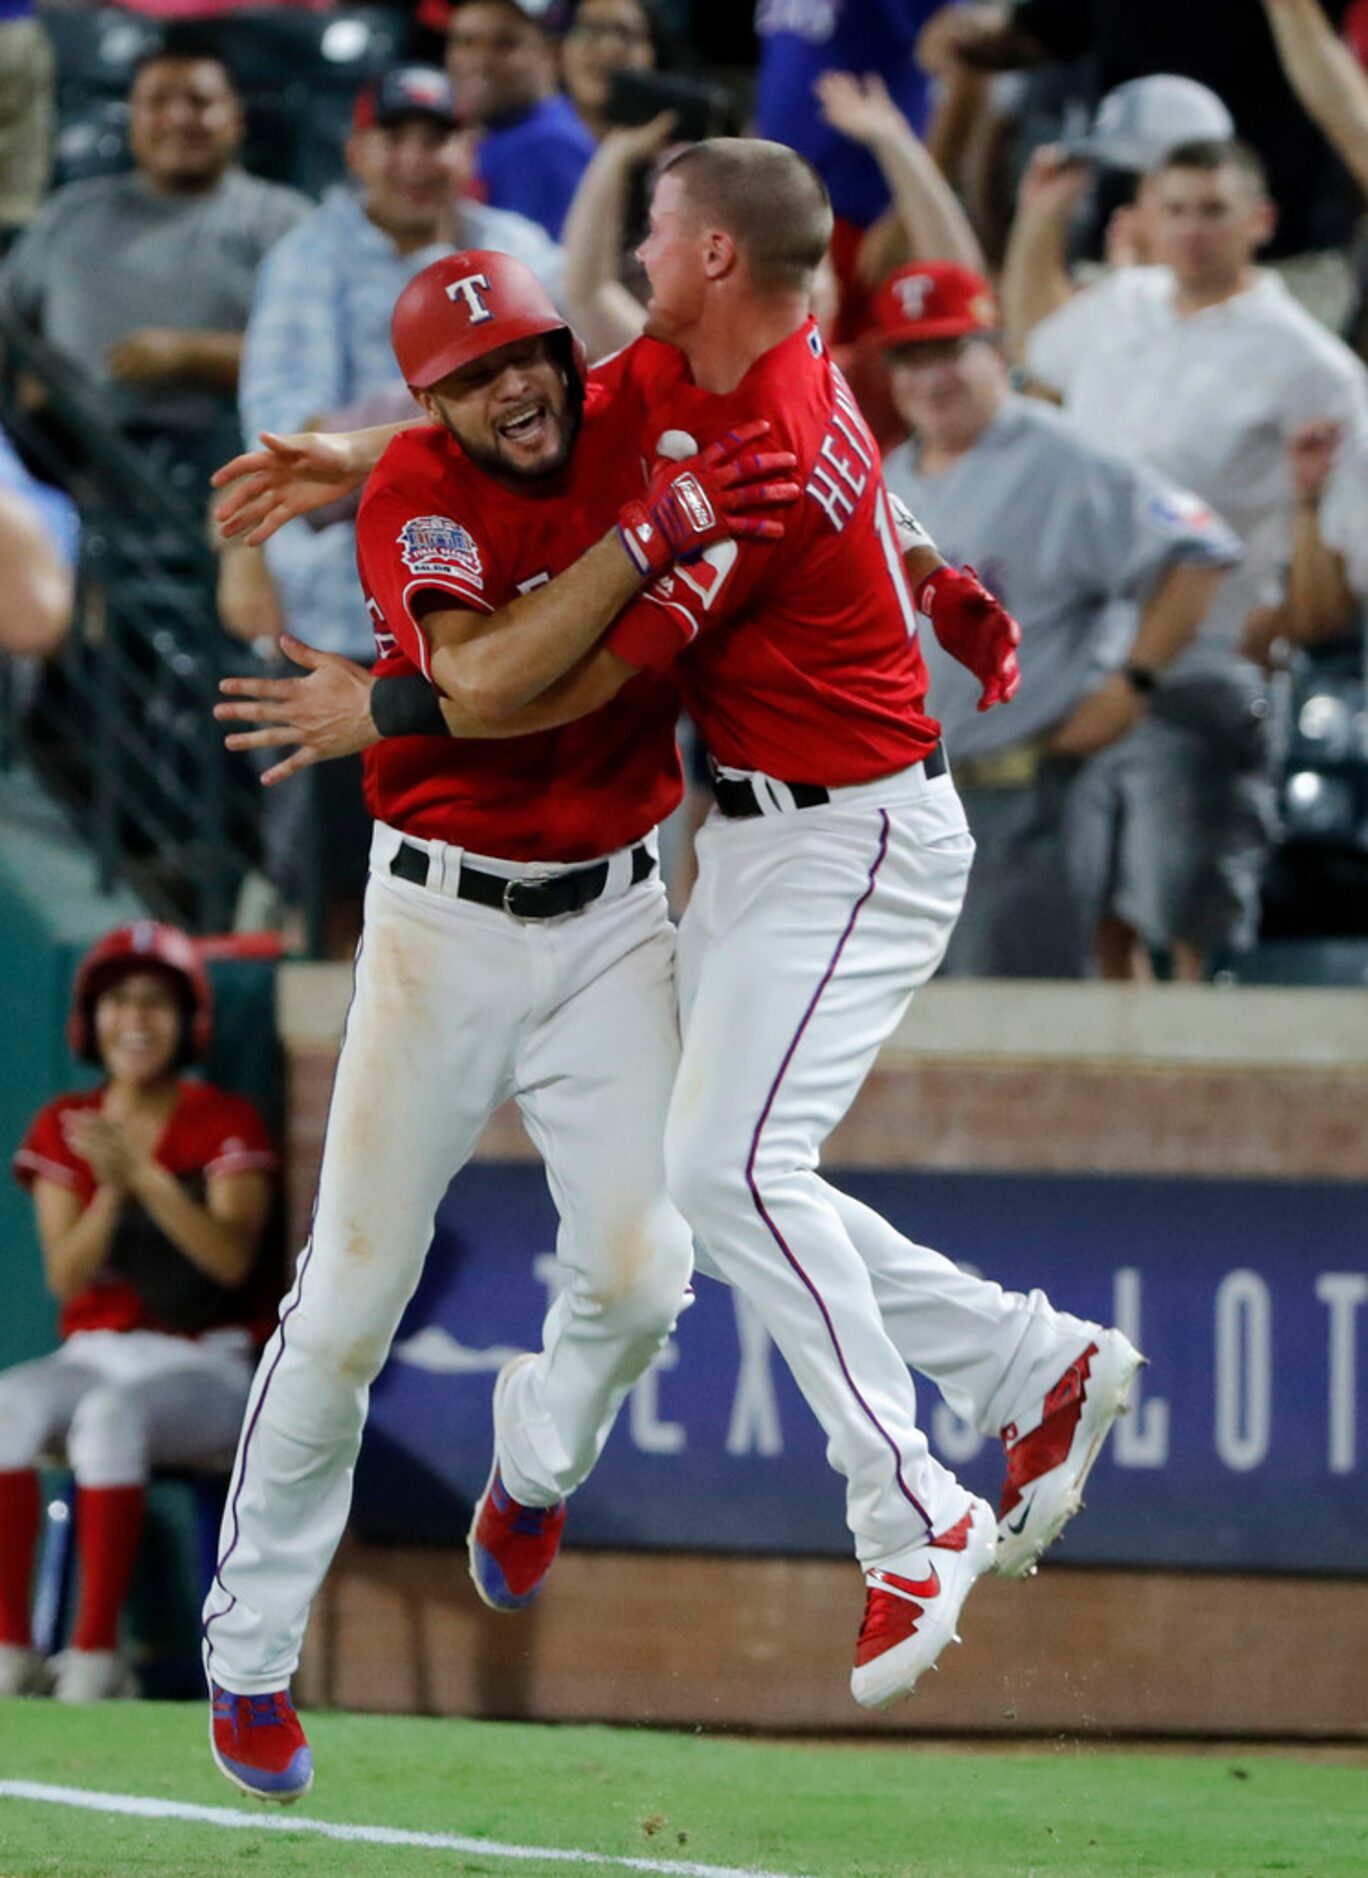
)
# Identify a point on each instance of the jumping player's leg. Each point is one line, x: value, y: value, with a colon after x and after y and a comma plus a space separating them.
x: 985, y: 1348
x: 440, y: 989
x: 807, y: 937
x: 594, y: 1081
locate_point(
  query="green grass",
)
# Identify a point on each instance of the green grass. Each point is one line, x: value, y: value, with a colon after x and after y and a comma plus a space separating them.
x: 885, y: 1811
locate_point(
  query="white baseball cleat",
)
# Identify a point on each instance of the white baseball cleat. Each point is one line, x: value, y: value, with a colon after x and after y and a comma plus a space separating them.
x: 912, y: 1606
x: 1052, y: 1445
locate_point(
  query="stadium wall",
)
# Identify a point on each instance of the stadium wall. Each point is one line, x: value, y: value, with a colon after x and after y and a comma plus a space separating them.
x: 1235, y: 1117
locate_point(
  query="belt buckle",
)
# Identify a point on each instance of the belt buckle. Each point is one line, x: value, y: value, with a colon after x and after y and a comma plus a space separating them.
x: 531, y: 881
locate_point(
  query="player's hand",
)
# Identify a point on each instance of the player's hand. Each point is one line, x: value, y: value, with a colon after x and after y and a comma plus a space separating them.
x: 975, y: 628
x: 287, y: 477
x: 325, y: 714
x: 861, y: 109
x: 1113, y: 709
x: 722, y: 493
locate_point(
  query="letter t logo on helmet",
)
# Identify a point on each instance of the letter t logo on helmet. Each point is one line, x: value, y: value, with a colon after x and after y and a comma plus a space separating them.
x: 467, y: 289
x: 466, y: 305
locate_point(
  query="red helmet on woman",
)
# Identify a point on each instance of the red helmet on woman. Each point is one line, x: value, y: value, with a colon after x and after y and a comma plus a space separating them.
x: 466, y: 305
x: 146, y: 945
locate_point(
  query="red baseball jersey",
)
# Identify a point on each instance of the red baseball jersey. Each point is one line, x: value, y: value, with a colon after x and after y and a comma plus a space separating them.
x: 430, y: 522
x: 146, y: 1283
x: 798, y: 657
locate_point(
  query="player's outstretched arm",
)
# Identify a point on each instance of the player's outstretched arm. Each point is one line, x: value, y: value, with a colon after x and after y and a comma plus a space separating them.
x: 495, y: 664
x: 294, y: 475
x: 339, y: 708
x: 973, y: 626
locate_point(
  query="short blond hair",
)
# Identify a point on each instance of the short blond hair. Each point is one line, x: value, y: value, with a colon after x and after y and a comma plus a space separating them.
x: 770, y: 200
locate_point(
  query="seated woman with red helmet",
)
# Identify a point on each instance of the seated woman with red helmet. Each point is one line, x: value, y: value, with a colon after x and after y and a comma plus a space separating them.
x: 152, y: 1196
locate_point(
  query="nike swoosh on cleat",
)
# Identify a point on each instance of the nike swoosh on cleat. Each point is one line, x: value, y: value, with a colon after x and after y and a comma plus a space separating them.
x: 1025, y: 1515
x: 928, y: 1587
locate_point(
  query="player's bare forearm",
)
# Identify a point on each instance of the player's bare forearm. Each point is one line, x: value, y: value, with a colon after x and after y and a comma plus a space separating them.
x: 598, y: 677
x: 1172, y: 615
x: 493, y: 665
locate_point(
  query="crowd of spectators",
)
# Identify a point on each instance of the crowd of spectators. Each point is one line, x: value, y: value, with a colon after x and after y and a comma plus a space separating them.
x: 1094, y: 281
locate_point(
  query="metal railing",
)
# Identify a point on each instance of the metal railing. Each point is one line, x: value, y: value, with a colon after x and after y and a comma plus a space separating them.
x: 119, y: 724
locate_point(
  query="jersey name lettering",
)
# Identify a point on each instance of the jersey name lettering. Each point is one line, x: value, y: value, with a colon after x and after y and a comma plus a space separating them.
x: 845, y: 459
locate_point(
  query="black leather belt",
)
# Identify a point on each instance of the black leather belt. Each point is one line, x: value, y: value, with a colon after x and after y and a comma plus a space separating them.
x: 738, y: 800
x: 546, y: 897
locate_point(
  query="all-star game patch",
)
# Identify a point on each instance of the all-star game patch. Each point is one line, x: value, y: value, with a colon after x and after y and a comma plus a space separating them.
x: 434, y: 544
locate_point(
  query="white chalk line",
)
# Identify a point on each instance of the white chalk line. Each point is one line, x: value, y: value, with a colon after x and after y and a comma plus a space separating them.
x: 140, y: 1806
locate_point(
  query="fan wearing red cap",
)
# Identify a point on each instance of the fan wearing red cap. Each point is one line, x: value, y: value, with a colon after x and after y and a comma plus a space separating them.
x: 1067, y: 530
x: 151, y: 1197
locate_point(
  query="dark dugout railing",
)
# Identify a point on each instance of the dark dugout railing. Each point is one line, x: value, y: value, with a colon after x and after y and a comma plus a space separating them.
x: 119, y: 725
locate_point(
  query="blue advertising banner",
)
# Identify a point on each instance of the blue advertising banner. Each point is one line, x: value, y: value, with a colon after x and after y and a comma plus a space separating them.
x: 1246, y: 1448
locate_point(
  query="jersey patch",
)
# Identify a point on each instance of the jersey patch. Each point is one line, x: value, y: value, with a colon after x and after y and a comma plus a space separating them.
x: 434, y: 544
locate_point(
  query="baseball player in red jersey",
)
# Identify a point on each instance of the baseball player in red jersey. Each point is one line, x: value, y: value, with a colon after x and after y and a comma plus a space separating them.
x: 830, y: 878
x: 514, y: 923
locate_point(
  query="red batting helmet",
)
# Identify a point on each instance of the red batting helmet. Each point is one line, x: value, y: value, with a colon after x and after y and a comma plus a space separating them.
x: 146, y: 945
x: 469, y: 304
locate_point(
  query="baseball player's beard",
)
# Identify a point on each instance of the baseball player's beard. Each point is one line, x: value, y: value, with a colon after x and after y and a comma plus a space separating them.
x: 494, y: 462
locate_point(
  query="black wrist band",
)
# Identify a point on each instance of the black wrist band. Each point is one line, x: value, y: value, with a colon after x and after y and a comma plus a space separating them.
x: 1140, y: 679
x: 406, y: 706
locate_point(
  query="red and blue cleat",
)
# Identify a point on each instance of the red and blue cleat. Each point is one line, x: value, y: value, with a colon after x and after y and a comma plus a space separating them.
x: 258, y: 1743
x: 512, y: 1547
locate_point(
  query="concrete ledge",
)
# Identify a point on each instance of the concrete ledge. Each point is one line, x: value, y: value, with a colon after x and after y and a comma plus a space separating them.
x: 766, y: 1644
x: 1153, y: 1025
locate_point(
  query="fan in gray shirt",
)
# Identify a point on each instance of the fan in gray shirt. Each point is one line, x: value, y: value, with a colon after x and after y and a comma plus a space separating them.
x: 142, y: 282
x: 1107, y: 569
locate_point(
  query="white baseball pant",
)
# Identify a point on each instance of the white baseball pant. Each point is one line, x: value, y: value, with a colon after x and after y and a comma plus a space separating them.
x: 122, y: 1402
x: 457, y: 1007
x: 806, y: 937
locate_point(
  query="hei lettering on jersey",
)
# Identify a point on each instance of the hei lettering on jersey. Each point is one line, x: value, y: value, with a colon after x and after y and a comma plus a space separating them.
x: 797, y: 657
x: 432, y: 525
x: 846, y: 458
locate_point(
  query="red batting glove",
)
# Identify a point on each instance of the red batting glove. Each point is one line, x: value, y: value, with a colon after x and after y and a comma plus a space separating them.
x: 710, y: 497
x: 974, y: 628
